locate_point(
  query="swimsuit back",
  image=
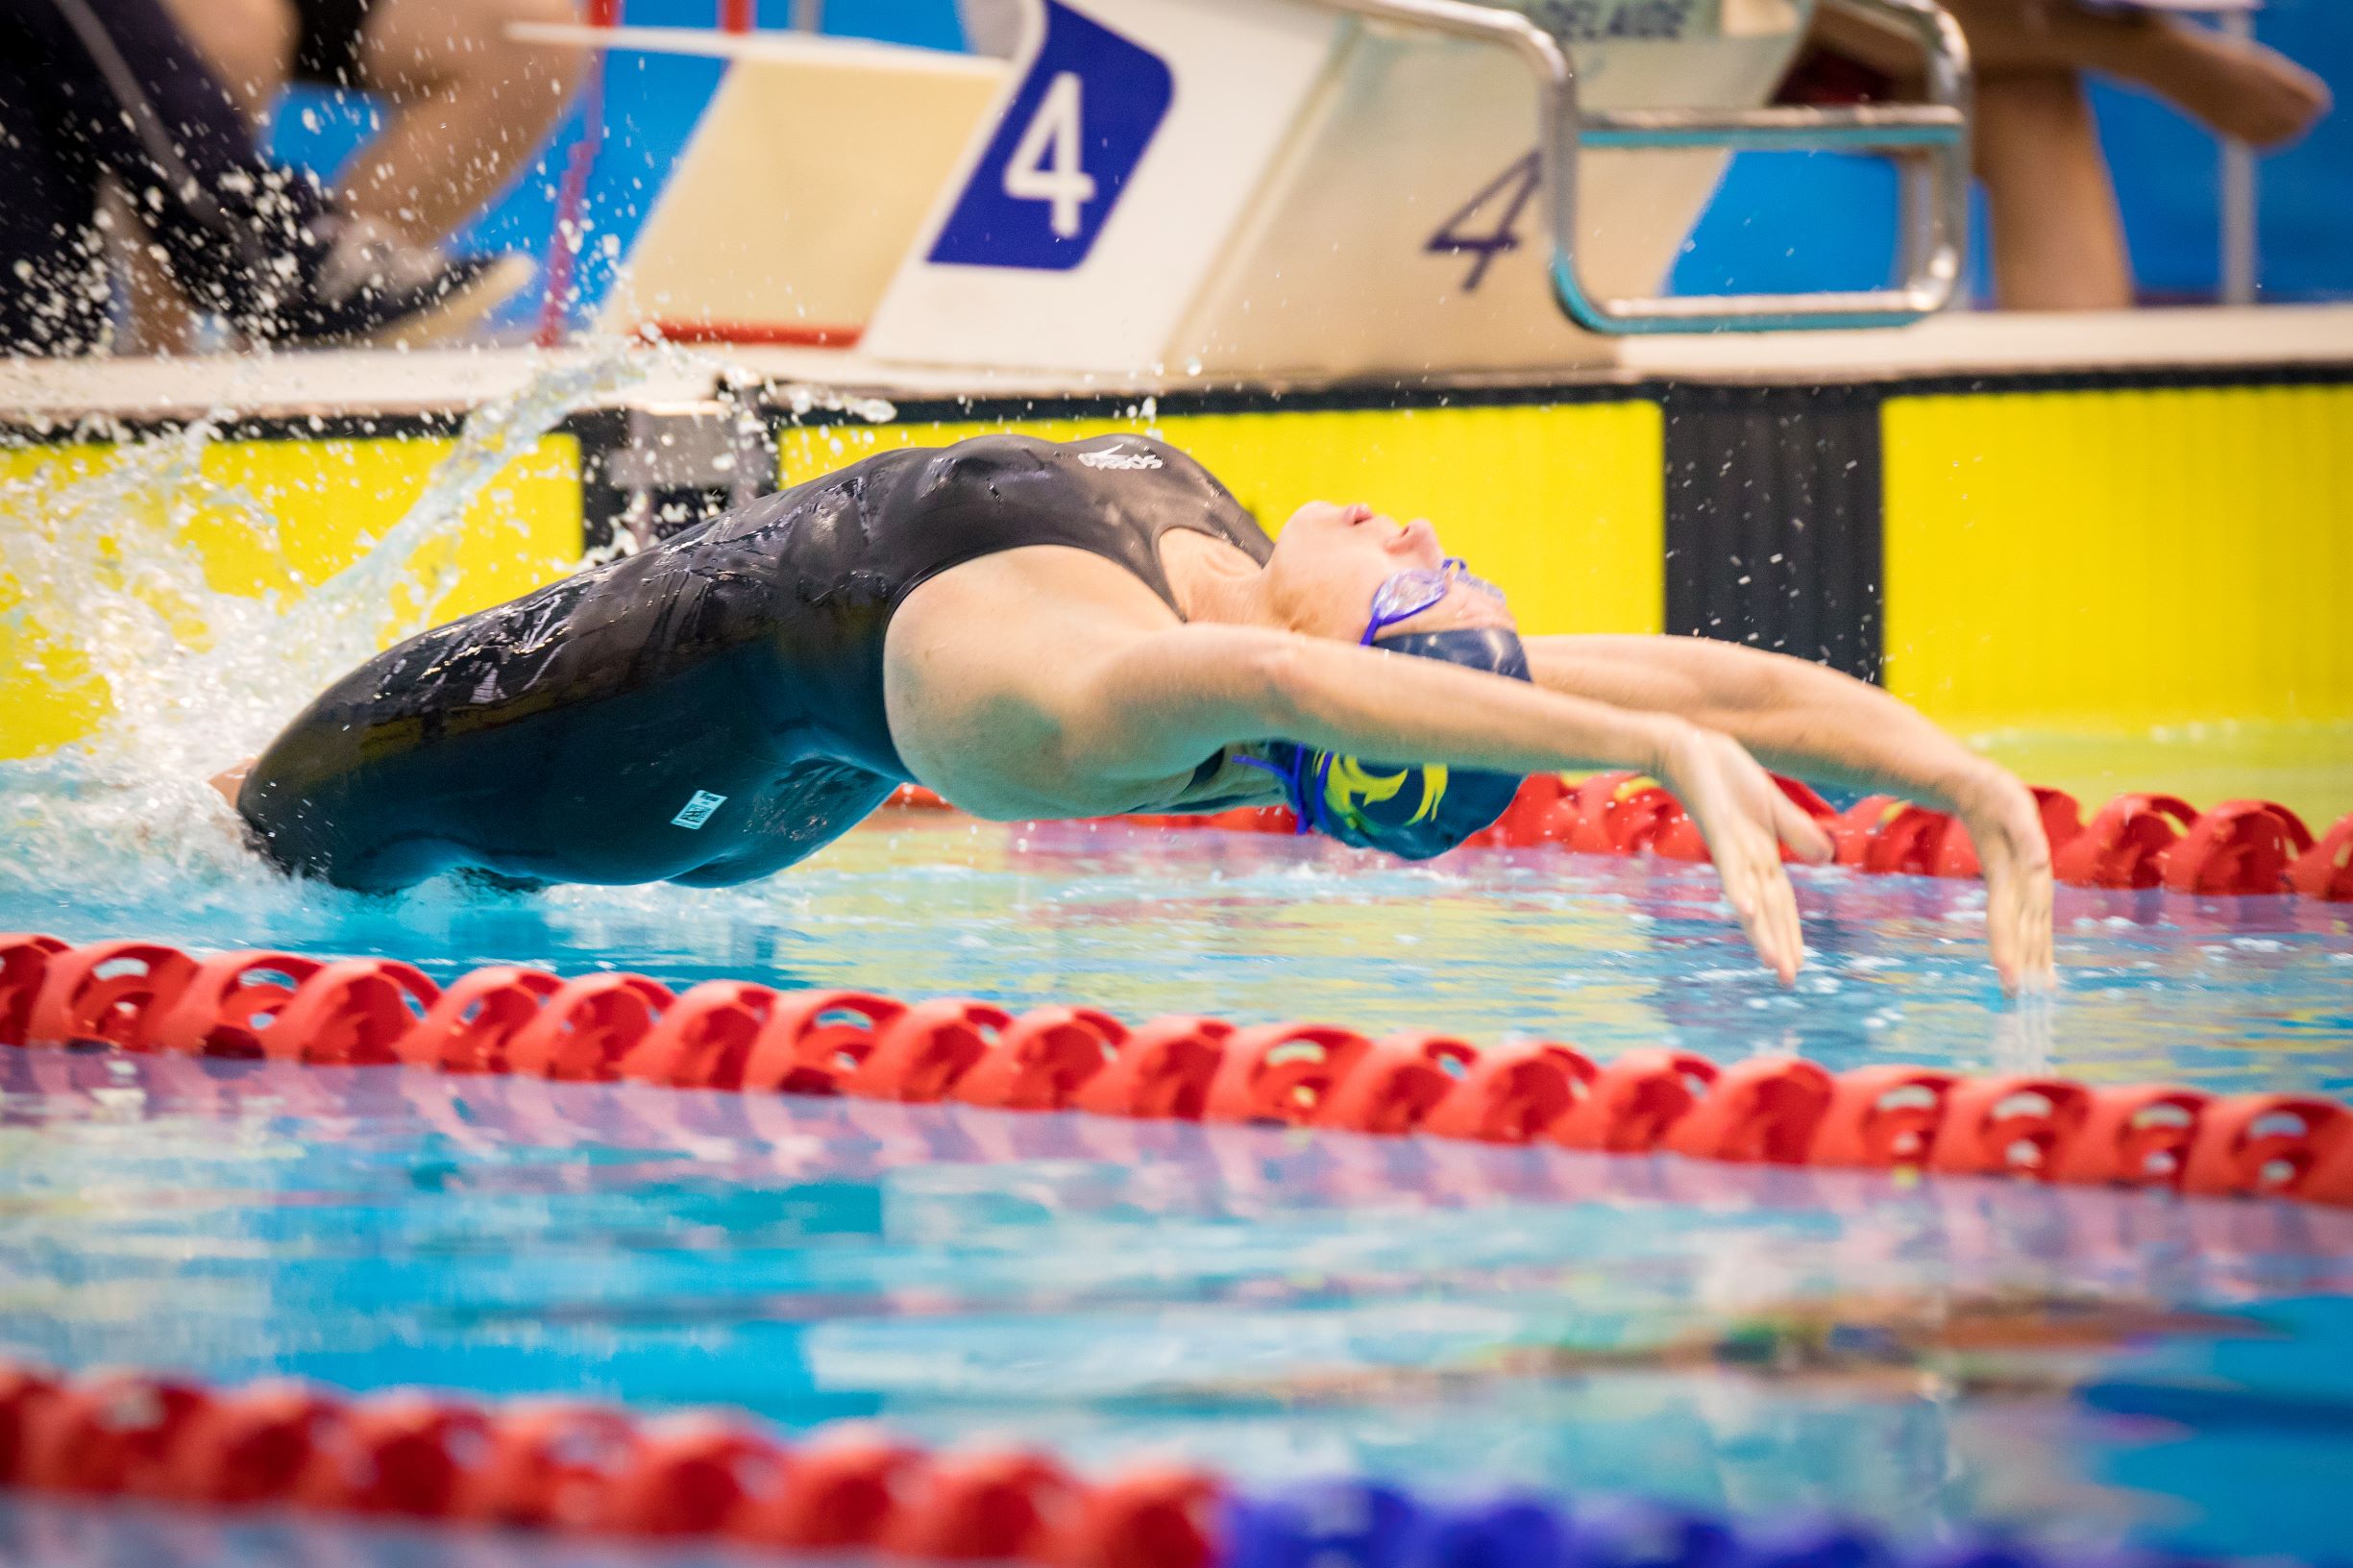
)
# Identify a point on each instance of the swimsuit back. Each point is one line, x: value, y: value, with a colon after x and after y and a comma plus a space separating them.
x: 707, y: 710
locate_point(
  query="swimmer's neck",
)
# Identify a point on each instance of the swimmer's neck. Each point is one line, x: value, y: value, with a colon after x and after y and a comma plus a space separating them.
x: 1214, y: 581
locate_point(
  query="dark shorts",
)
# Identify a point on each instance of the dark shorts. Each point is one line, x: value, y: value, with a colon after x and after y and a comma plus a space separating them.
x: 63, y: 130
x: 328, y: 50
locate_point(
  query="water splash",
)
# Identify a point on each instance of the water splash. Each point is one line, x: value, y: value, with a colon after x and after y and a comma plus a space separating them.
x: 197, y: 678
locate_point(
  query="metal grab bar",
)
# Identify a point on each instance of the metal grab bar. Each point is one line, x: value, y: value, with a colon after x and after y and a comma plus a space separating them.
x: 1774, y: 130
x: 1930, y: 139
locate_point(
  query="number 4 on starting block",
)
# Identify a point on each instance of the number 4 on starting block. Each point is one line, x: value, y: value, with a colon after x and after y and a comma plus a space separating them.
x: 1092, y: 207
x: 1063, y: 151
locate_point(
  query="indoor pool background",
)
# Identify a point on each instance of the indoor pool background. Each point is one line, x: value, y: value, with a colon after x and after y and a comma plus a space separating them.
x: 2089, y: 1366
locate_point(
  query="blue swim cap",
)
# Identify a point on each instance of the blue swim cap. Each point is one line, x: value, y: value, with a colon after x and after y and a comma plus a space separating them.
x: 1414, y: 810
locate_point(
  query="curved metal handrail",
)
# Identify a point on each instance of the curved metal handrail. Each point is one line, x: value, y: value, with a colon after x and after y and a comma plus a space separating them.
x: 1932, y: 138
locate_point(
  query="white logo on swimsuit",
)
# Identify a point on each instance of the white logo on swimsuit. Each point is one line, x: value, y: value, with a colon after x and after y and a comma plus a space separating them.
x: 1124, y: 461
x: 698, y: 809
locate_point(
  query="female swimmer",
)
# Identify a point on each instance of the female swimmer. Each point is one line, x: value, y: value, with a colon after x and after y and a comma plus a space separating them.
x: 1038, y: 631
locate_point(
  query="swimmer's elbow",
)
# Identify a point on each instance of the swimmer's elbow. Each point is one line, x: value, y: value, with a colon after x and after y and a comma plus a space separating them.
x: 1275, y: 688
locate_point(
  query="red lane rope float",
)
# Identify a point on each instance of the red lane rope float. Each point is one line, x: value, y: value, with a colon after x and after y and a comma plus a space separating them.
x: 740, y: 1037
x: 587, y: 1469
x: 2134, y: 842
x: 2325, y: 870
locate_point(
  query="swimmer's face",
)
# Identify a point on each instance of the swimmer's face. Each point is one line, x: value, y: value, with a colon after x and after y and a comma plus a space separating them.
x: 1330, y: 560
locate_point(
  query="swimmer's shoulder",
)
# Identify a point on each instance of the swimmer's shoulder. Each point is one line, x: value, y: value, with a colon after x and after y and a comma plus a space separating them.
x: 1092, y: 460
x: 982, y: 467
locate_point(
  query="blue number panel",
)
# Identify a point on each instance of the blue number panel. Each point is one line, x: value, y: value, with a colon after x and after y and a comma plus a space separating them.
x: 1065, y: 150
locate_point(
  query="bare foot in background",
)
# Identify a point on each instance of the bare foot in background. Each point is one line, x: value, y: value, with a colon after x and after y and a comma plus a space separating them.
x: 2057, y: 239
x: 2234, y: 88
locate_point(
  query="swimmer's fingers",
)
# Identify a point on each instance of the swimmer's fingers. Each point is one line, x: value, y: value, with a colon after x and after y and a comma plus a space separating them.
x: 2043, y: 952
x: 2039, y: 964
x: 1748, y: 861
x: 2006, y: 826
x: 1805, y: 837
x: 1747, y: 908
x: 2002, y: 937
x: 1732, y: 800
x: 1783, y: 947
x: 2017, y: 920
x: 1778, y: 822
x: 1785, y: 906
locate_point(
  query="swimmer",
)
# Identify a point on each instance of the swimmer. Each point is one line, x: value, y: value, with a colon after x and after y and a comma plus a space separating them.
x: 1042, y: 631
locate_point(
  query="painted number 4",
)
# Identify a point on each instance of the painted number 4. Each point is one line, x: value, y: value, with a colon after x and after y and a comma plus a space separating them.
x: 1498, y: 204
x: 1045, y: 167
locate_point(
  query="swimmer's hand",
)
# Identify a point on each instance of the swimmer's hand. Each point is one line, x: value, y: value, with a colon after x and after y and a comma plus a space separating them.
x: 2007, y: 829
x: 1746, y: 819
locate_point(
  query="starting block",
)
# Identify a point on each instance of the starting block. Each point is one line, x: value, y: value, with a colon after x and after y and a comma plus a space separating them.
x: 1262, y: 188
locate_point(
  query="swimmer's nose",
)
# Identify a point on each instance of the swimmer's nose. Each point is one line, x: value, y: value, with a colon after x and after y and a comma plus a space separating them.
x: 1418, y: 542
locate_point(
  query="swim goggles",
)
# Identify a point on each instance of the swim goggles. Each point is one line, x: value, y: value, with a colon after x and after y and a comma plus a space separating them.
x: 1404, y: 595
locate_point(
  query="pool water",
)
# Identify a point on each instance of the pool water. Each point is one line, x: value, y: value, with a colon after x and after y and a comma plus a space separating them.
x: 2089, y: 1367
x: 2223, y: 993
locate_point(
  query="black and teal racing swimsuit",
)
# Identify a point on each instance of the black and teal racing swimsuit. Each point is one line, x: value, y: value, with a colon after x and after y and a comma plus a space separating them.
x: 705, y: 712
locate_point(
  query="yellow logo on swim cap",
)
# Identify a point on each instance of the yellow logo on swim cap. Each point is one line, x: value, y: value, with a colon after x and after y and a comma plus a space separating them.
x: 1434, y: 791
x: 1350, y: 787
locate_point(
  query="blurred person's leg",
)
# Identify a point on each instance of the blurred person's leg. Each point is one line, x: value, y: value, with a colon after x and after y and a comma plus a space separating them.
x: 117, y: 90
x: 468, y: 105
x: 2235, y: 87
x: 2057, y: 239
x: 471, y: 105
x: 250, y: 44
x: 118, y: 94
x: 159, y: 319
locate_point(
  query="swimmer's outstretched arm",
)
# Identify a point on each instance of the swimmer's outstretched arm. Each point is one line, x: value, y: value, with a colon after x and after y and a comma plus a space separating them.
x: 1155, y: 706
x: 1816, y: 723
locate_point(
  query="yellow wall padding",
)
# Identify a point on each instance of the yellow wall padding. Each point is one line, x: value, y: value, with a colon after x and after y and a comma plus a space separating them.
x: 1563, y: 504
x: 332, y: 499
x: 2121, y: 559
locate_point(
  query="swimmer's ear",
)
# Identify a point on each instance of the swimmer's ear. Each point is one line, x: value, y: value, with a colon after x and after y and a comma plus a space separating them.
x: 1805, y: 837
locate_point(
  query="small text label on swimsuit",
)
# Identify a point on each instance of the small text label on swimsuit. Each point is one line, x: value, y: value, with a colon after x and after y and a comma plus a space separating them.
x: 1116, y: 459
x: 698, y: 809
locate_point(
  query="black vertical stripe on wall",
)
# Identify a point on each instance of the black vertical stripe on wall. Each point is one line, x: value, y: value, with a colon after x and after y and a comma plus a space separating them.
x: 1773, y: 532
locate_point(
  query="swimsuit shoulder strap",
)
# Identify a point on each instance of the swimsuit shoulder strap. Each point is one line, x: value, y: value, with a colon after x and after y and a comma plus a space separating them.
x: 1113, y: 496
